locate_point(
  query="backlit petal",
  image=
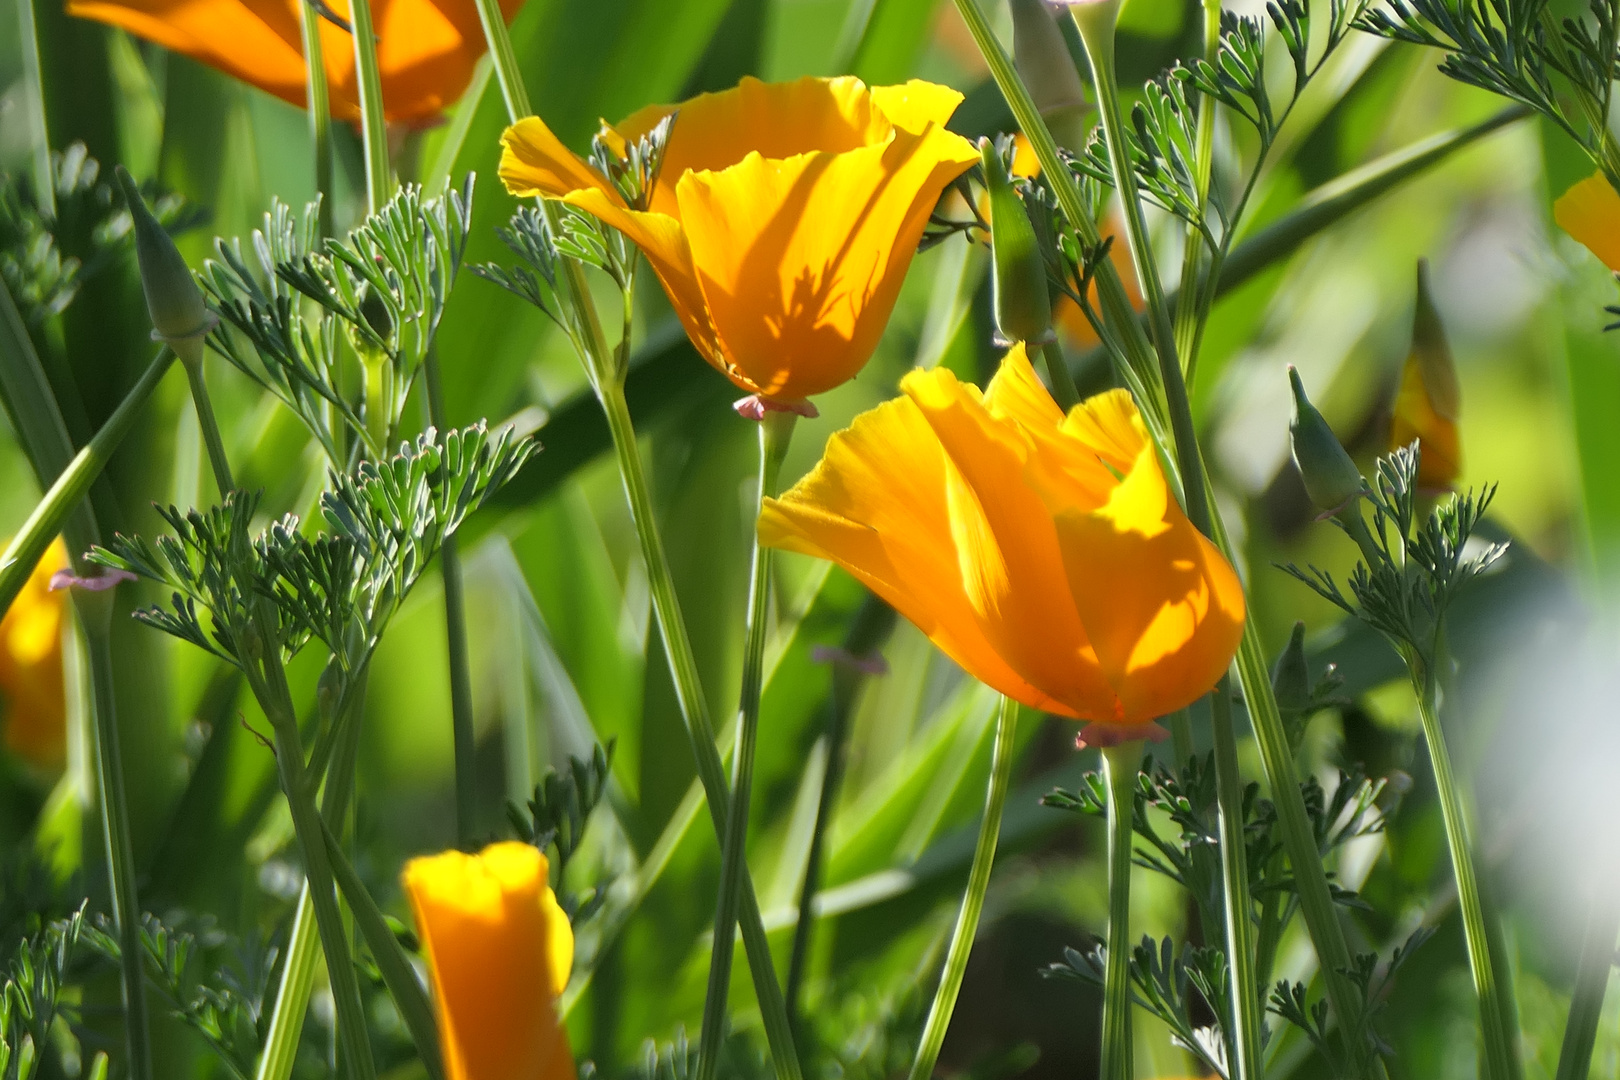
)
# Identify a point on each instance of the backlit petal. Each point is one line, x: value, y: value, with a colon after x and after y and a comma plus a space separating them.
x: 499, y: 952
x: 1590, y: 212
x: 876, y: 505
x: 1418, y: 417
x: 801, y: 259
x: 534, y: 162
x: 916, y: 105
x: 1064, y: 470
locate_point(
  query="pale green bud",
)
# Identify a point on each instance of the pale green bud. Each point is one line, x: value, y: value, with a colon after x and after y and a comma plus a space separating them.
x: 1331, y: 478
x: 1023, y: 306
x: 173, y: 299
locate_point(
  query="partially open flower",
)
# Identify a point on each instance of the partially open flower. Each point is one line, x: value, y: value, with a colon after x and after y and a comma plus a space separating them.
x: 499, y: 953
x: 426, y: 49
x: 1045, y: 554
x: 32, y: 694
x: 783, y: 220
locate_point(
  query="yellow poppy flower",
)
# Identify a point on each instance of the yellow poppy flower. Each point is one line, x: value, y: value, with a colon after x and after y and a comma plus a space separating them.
x: 1045, y: 554
x: 426, y: 49
x: 1590, y: 212
x: 499, y: 953
x: 1429, y: 401
x: 32, y: 695
x: 783, y: 220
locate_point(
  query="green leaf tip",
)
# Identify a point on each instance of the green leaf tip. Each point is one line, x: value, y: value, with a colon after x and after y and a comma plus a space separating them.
x: 1331, y: 479
x: 175, y: 303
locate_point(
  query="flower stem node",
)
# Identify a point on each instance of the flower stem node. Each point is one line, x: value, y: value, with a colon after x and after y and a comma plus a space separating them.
x: 757, y: 406
x: 1098, y: 735
x: 180, y: 317
x: 1331, y: 479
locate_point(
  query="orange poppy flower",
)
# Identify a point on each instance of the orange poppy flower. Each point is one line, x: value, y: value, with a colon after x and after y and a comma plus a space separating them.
x: 32, y: 692
x: 783, y: 220
x: 1590, y: 212
x: 1045, y: 554
x: 499, y: 953
x: 426, y: 49
x: 1429, y: 401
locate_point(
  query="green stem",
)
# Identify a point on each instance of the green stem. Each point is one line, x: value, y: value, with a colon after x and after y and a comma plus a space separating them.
x: 695, y: 713
x: 318, y: 103
x: 67, y: 493
x: 967, y: 919
x: 1247, y: 1001
x: 34, y: 91
x: 95, y: 614
x: 206, y: 420
x: 1181, y: 738
x: 1121, y: 765
x: 504, y: 59
x: 1188, y: 315
x: 775, y: 431
x: 1064, y: 392
x: 1591, y: 983
x: 455, y: 626
x: 1501, y: 1049
x: 373, y: 128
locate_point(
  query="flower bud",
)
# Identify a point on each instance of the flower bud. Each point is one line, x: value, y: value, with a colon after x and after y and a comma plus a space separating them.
x: 1429, y: 400
x: 1023, y: 306
x: 173, y: 299
x: 1291, y: 683
x: 1331, y: 478
x: 1048, y: 70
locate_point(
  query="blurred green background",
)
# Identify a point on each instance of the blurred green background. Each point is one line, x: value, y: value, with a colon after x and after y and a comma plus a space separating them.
x: 563, y: 649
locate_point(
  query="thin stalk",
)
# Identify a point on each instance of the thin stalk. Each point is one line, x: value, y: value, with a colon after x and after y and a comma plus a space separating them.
x: 1591, y: 982
x: 1121, y: 765
x: 1247, y: 1003
x: 207, y: 422
x: 967, y: 919
x: 1501, y: 1049
x: 1181, y: 737
x: 1064, y: 392
x: 67, y: 493
x: 34, y: 91
x: 95, y: 615
x: 695, y: 712
x: 455, y: 627
x: 504, y: 59
x: 318, y: 103
x: 1188, y: 323
x: 373, y: 128
x: 775, y: 431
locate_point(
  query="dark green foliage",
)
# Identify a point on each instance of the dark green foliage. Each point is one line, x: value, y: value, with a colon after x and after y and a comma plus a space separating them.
x: 556, y: 818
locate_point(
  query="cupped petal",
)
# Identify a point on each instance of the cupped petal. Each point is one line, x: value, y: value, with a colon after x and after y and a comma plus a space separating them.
x: 499, y: 952
x: 1590, y: 212
x: 801, y: 259
x: 534, y: 162
x: 1066, y: 471
x: 1007, y: 547
x: 876, y: 505
x: 1162, y: 608
x: 917, y: 105
x: 663, y: 241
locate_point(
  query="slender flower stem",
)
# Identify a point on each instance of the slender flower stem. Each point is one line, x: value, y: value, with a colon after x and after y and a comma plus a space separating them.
x: 318, y: 104
x: 67, y: 493
x: 206, y: 420
x: 95, y: 615
x: 504, y: 57
x: 775, y: 431
x: 1501, y: 1050
x: 1189, y: 323
x: 967, y: 919
x: 374, y: 130
x: 1064, y: 391
x: 1591, y: 982
x: 1248, y: 1063
x: 695, y: 712
x: 1121, y: 765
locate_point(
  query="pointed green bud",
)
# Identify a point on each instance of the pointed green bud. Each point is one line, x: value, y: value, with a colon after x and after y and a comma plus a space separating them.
x: 1022, y: 302
x: 1048, y: 70
x: 1331, y: 478
x: 1291, y: 683
x: 175, y: 303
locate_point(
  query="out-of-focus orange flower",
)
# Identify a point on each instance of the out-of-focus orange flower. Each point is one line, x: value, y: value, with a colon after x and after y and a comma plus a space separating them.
x: 426, y: 49
x: 1043, y: 553
x: 32, y: 695
x: 783, y: 220
x: 1429, y: 401
x: 1590, y: 212
x: 499, y: 953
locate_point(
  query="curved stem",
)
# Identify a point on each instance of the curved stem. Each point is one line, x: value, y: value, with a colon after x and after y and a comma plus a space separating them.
x: 1246, y: 993
x: 775, y: 430
x: 1501, y: 1042
x: 695, y: 713
x: 95, y: 612
x: 1121, y: 765
x: 967, y: 919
